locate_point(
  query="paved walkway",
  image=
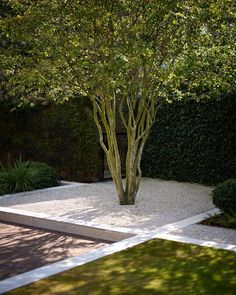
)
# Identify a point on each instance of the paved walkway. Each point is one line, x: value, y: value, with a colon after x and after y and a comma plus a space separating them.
x: 25, y: 248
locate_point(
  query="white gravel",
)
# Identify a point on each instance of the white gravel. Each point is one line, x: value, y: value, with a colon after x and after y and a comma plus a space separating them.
x: 208, y: 233
x: 158, y: 202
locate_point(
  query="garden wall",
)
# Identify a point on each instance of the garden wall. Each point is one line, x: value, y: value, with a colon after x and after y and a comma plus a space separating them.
x: 193, y: 141
x: 63, y: 136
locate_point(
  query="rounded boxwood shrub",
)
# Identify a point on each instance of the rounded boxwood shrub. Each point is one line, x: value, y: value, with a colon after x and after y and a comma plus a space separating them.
x: 25, y: 176
x: 42, y: 175
x: 224, y: 196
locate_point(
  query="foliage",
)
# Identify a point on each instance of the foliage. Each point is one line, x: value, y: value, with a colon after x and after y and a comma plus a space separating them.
x: 224, y: 196
x: 122, y: 55
x: 25, y: 176
x: 209, y: 69
x: 42, y: 175
x: 154, y: 267
x: 193, y: 141
x: 15, y: 178
x: 62, y: 135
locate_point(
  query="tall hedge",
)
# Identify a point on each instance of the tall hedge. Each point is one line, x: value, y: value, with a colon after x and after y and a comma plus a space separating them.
x: 63, y: 136
x: 193, y: 141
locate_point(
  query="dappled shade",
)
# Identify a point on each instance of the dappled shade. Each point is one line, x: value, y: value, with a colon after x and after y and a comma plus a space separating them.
x: 25, y: 248
x: 155, y: 267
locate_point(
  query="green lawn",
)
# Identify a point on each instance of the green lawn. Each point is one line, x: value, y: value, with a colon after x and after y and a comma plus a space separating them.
x: 155, y: 267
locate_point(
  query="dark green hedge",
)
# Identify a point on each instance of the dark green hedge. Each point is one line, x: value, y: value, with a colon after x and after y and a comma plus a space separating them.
x: 224, y: 196
x: 193, y: 141
x: 63, y: 136
x: 190, y: 141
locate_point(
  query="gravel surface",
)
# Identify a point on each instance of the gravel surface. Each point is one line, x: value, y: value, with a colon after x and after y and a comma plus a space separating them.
x: 208, y: 233
x: 158, y: 202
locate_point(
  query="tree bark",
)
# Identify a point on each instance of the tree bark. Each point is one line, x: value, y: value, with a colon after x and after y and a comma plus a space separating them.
x: 137, y: 128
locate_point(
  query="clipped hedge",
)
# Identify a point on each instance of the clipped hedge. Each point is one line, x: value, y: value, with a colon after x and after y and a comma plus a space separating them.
x: 63, y: 136
x: 193, y: 141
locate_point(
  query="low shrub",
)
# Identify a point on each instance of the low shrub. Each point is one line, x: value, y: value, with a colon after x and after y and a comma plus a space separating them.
x: 224, y: 196
x: 42, y: 175
x: 23, y: 176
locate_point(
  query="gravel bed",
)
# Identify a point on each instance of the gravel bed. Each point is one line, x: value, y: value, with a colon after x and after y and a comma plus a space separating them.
x: 158, y: 202
x: 208, y: 233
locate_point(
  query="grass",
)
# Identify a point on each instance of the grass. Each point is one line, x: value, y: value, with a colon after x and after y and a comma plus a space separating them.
x: 156, y: 267
x: 221, y: 220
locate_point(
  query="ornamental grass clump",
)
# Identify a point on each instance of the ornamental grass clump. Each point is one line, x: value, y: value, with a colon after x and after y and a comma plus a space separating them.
x: 21, y: 176
x: 15, y: 178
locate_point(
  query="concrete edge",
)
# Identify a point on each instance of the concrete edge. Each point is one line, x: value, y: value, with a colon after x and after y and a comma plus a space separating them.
x: 69, y: 263
x: 66, y: 225
x: 86, y: 228
x: 191, y: 220
x: 64, y: 184
x: 199, y: 242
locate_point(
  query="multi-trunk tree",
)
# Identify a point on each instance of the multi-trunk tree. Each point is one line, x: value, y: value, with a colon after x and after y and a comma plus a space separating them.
x: 123, y: 55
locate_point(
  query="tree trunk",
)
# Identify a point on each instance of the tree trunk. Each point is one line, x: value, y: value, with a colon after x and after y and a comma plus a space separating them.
x: 137, y: 128
x: 131, y: 186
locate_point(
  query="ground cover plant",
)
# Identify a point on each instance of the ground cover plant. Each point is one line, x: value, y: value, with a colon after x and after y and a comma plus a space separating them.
x: 21, y: 176
x: 155, y: 267
x: 123, y: 56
